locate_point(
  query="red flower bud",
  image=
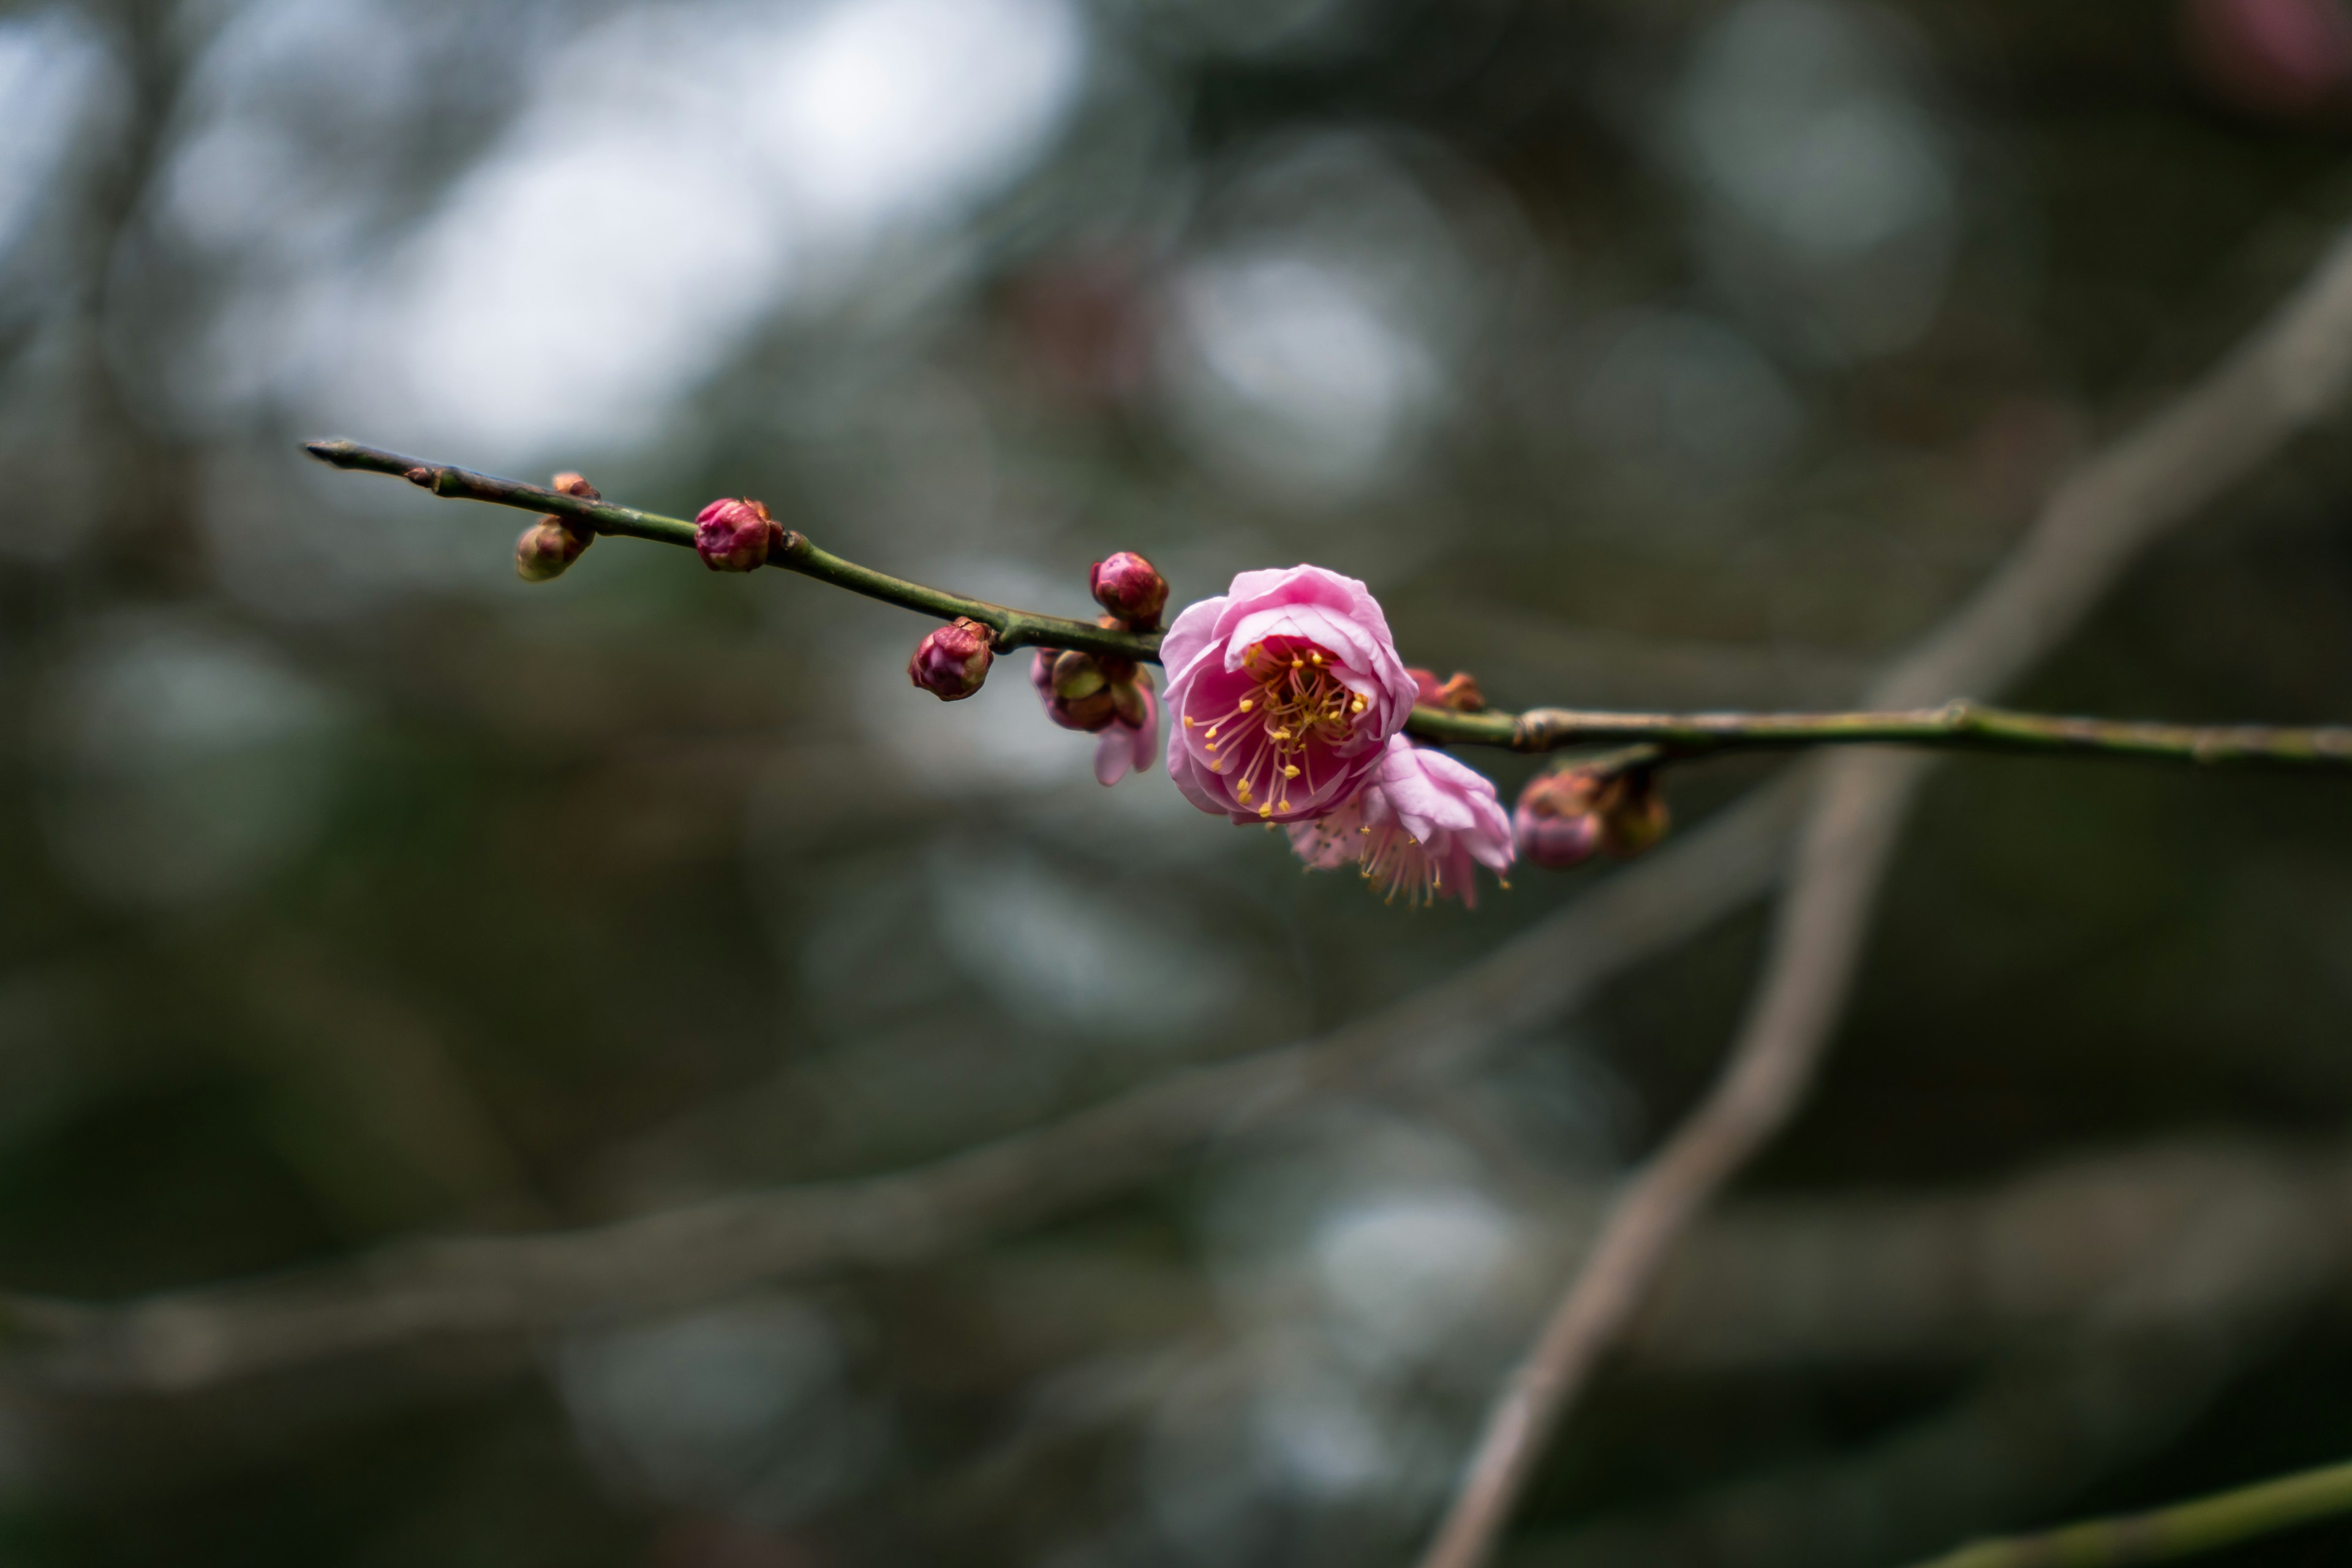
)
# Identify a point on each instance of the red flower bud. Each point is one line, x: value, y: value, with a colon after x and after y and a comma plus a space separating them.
x: 952, y: 661
x: 734, y: 535
x: 1131, y: 588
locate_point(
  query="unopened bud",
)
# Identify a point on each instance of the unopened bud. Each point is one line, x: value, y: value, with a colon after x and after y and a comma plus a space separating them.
x: 1131, y: 588
x: 1090, y: 711
x: 1565, y: 816
x: 952, y: 662
x: 733, y: 536
x: 546, y: 548
x: 1556, y: 843
x: 1460, y: 692
x: 1078, y: 675
x: 1634, y: 816
x: 573, y: 484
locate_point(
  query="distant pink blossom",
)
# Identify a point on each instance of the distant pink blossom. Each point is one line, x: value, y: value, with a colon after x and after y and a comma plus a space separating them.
x: 2278, y: 56
x: 1285, y: 691
x: 1421, y: 826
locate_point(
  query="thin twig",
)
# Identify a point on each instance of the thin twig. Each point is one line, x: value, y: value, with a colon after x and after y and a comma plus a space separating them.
x: 1959, y: 725
x: 2168, y: 1534
x: 2211, y: 436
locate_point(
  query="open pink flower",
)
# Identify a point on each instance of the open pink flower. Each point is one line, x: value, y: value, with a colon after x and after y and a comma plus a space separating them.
x: 1285, y: 690
x: 1420, y: 827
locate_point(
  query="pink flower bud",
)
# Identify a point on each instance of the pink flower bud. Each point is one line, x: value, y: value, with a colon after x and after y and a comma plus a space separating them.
x: 1556, y: 843
x: 1131, y: 588
x: 548, y: 548
x: 554, y: 543
x: 952, y: 661
x: 734, y: 535
x: 1565, y: 816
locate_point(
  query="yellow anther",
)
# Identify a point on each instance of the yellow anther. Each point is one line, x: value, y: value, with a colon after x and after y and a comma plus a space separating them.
x: 1218, y: 766
x: 1189, y: 725
x: 1286, y: 805
x: 1297, y: 662
x: 1266, y: 810
x: 1242, y: 790
x: 1247, y: 704
x: 1316, y: 657
x: 1213, y: 729
x: 1290, y: 770
x: 1278, y: 734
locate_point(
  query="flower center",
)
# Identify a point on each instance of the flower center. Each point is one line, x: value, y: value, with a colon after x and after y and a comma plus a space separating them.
x: 1294, y: 699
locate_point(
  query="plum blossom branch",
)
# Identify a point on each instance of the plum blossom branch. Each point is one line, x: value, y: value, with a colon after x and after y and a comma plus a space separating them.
x: 1956, y: 726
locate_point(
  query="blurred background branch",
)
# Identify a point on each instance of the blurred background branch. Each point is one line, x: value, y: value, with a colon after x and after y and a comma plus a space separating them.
x: 2212, y: 437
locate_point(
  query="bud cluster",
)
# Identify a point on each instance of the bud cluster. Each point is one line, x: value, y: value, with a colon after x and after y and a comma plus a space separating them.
x: 549, y: 547
x: 1087, y: 691
x: 1567, y: 815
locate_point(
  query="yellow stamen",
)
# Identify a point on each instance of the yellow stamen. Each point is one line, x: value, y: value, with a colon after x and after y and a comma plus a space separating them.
x: 1290, y: 770
x: 1188, y: 724
x: 1247, y: 704
x: 1266, y: 811
x: 1243, y: 791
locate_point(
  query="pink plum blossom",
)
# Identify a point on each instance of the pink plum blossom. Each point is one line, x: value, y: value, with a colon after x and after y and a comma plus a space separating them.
x: 1421, y: 826
x: 1285, y: 690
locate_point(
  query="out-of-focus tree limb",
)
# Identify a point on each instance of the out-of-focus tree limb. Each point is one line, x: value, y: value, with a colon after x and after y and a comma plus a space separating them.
x: 2126, y: 496
x: 504, y: 1284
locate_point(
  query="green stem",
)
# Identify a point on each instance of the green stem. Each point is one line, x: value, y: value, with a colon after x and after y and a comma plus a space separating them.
x: 1675, y: 736
x: 2165, y: 1535
x: 1013, y: 628
x: 1956, y: 726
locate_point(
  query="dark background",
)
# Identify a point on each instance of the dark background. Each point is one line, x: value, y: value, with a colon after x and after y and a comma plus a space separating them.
x: 1636, y: 353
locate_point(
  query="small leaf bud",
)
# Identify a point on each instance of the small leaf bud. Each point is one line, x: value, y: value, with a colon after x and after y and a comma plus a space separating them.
x: 733, y: 536
x: 1633, y: 814
x: 1131, y: 588
x: 951, y: 661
